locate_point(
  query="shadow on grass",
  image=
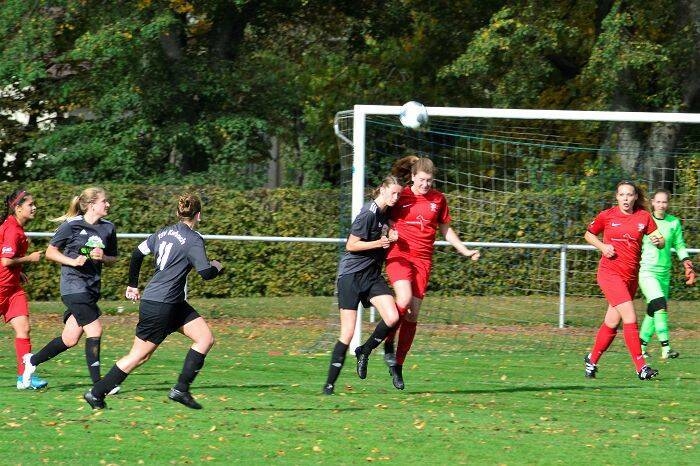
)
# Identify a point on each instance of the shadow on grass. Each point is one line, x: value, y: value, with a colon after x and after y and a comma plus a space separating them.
x: 525, y: 389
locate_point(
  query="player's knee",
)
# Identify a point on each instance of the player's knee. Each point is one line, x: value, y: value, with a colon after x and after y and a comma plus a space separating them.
x: 656, y: 304
x: 70, y: 340
x: 209, y: 342
x: 391, y: 320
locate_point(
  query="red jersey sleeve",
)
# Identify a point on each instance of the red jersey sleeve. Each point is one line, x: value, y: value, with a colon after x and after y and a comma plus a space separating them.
x: 650, y: 225
x: 597, y: 225
x: 444, y: 215
x: 10, y: 244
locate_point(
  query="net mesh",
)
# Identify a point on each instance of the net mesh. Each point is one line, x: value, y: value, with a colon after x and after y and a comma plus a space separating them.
x: 538, y: 183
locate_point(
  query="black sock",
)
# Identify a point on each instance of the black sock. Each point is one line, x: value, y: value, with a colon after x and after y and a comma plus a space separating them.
x: 194, y: 361
x: 114, y: 377
x: 92, y: 356
x: 379, y: 334
x: 337, y: 361
x: 50, y: 350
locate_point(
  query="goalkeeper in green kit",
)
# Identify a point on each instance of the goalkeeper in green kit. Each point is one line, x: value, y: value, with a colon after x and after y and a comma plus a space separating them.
x: 655, y: 274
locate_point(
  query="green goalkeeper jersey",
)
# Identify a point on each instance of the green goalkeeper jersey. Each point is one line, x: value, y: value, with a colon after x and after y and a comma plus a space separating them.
x: 656, y: 260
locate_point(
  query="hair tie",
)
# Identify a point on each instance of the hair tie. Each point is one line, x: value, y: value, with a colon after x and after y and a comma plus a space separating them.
x: 13, y: 203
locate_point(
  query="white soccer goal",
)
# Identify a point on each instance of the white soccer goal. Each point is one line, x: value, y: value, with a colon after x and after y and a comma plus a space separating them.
x: 522, y: 185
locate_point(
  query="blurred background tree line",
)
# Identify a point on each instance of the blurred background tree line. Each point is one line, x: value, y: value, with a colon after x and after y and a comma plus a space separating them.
x: 242, y: 93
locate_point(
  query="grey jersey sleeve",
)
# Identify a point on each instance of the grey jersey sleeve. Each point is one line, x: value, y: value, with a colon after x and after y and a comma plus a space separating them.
x: 197, y: 255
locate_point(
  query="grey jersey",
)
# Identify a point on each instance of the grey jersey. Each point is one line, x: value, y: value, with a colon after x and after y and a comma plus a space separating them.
x: 177, y: 249
x: 74, y: 237
x: 369, y: 225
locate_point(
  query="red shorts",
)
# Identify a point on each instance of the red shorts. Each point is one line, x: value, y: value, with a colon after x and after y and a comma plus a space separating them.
x: 414, y: 269
x: 615, y: 288
x: 13, y: 303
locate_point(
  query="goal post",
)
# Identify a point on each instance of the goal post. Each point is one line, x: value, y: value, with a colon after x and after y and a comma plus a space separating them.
x: 513, y: 148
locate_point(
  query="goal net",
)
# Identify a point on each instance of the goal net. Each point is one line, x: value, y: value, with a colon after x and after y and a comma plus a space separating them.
x: 522, y: 186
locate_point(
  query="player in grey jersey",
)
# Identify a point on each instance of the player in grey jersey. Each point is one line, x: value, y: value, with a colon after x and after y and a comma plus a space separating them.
x: 163, y: 309
x: 81, y: 244
x: 360, y: 280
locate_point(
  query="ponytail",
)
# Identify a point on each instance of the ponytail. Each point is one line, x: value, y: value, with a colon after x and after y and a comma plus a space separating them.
x: 79, y: 204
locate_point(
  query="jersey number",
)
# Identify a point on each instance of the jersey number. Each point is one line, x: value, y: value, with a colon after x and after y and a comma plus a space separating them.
x: 163, y: 254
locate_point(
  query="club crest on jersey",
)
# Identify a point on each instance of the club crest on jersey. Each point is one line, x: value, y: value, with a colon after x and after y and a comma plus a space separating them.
x: 640, y: 227
x: 433, y: 207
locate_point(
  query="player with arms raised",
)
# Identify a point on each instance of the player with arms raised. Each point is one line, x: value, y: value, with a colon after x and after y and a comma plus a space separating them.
x: 163, y: 309
x: 623, y: 227
x: 419, y: 214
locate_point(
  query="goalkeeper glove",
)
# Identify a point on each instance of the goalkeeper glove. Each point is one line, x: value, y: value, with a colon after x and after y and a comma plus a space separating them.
x: 689, y: 272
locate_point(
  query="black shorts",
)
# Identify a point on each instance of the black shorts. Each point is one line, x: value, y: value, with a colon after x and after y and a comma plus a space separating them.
x: 158, y: 320
x: 360, y: 287
x: 82, y: 306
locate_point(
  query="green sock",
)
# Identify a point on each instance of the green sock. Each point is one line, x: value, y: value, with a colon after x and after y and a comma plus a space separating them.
x: 661, y: 325
x: 646, y: 332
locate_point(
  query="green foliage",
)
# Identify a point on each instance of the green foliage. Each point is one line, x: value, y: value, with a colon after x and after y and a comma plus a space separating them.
x: 255, y: 268
x: 251, y: 268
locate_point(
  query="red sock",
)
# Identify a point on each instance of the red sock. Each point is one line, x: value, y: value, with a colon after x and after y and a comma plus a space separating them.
x: 406, y: 336
x: 631, y: 333
x: 22, y: 347
x: 392, y: 333
x: 603, y: 339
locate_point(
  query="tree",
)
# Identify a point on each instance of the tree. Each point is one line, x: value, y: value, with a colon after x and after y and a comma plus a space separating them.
x: 603, y: 55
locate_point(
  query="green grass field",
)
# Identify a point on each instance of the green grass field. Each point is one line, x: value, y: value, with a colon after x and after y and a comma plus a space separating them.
x: 475, y: 394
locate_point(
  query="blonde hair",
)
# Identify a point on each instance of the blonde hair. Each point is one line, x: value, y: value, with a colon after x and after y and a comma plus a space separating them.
x: 188, y: 206
x: 79, y: 204
x: 406, y: 167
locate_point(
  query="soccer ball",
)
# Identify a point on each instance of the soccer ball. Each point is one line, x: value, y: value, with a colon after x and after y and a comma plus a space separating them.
x: 413, y: 115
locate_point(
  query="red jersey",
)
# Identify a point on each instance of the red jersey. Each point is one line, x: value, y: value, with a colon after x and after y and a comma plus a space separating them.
x: 625, y: 233
x: 417, y: 219
x: 14, y: 244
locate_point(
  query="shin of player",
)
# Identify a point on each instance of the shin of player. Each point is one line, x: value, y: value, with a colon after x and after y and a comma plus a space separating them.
x: 360, y: 280
x: 14, y: 307
x: 623, y: 227
x: 82, y: 244
x: 163, y: 309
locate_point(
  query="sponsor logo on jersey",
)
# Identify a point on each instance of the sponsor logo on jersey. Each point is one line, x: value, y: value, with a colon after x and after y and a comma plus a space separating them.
x: 7, y: 250
x: 614, y: 224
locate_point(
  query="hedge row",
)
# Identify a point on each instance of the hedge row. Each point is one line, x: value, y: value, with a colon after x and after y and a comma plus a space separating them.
x: 282, y: 269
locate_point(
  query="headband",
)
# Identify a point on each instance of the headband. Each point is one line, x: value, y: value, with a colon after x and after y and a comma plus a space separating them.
x: 14, y: 202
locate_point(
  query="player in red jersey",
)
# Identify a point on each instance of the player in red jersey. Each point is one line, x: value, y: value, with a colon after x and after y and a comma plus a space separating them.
x: 418, y: 215
x: 14, y: 308
x: 623, y: 228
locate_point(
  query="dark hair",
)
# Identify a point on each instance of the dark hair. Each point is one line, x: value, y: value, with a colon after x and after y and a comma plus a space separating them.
x: 641, y: 202
x: 14, y: 200
x: 389, y: 180
x: 79, y: 204
x: 188, y: 206
x: 406, y: 167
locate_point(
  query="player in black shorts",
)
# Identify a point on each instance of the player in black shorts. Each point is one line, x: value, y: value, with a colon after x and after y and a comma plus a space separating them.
x: 163, y: 309
x: 360, y: 279
x: 82, y: 244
